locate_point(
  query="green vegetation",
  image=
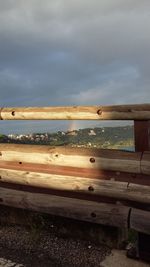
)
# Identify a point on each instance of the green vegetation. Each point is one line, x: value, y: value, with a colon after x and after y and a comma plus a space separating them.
x: 3, y: 138
x: 105, y: 137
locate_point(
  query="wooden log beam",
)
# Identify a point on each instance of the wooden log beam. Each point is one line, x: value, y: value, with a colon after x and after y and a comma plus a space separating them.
x: 87, y: 159
x: 109, y: 160
x: 107, y: 214
x: 68, y: 194
x: 145, y: 163
x: 99, y: 174
x: 112, y: 189
x: 118, y: 112
x: 140, y: 220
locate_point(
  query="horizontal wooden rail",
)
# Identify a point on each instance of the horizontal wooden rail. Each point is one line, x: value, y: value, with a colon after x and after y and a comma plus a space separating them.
x: 118, y: 112
x: 145, y: 163
x: 61, y: 169
x: 140, y: 220
x: 111, y: 189
x: 102, y: 213
x: 110, y: 160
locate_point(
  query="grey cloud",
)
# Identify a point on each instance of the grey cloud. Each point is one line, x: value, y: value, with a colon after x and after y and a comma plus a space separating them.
x: 67, y: 52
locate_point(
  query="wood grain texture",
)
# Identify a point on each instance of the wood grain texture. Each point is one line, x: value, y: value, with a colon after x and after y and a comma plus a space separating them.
x: 145, y: 163
x: 140, y: 220
x: 78, y: 172
x: 111, y: 153
x: 108, y: 214
x: 109, y: 160
x: 120, y: 112
x: 112, y: 189
x: 68, y: 194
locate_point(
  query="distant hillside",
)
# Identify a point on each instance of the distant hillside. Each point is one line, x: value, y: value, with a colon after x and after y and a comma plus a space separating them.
x: 105, y: 137
x: 3, y: 138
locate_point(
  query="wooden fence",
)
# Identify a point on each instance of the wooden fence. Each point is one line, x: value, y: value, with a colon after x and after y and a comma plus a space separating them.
x: 108, y: 187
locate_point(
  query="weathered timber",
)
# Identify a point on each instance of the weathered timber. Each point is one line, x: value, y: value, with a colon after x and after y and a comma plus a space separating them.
x: 110, y: 160
x: 140, y: 220
x: 99, y: 174
x: 145, y: 163
x: 111, y: 153
x: 73, y: 171
x: 108, y: 214
x: 120, y: 112
x: 68, y: 194
x: 142, y: 135
x: 112, y: 189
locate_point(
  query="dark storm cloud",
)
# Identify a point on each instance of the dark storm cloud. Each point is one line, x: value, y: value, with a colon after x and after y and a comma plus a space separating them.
x: 67, y: 52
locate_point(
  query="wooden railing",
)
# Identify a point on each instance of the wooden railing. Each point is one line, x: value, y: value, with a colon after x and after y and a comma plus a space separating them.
x: 120, y: 112
x: 103, y: 186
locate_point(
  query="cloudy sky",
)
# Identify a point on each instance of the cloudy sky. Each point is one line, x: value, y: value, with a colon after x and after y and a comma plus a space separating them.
x: 71, y: 52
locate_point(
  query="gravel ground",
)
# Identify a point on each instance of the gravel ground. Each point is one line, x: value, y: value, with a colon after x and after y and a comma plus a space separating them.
x: 22, y: 247
x: 8, y: 263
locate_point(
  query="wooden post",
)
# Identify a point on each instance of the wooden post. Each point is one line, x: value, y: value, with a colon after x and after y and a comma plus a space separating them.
x: 142, y: 135
x: 142, y: 143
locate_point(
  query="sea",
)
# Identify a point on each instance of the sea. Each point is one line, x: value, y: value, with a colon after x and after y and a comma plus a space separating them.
x: 129, y: 148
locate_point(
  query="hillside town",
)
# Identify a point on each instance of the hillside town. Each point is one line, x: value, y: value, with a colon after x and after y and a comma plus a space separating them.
x: 104, y: 137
